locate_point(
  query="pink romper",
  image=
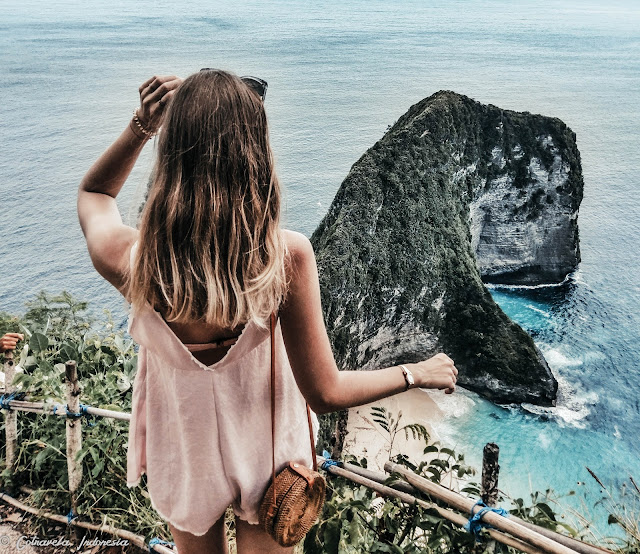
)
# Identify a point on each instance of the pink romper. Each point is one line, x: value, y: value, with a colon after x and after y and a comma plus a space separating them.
x: 202, y: 434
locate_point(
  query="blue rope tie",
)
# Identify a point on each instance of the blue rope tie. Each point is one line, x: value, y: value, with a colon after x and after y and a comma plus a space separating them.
x: 328, y: 462
x: 6, y: 398
x: 71, y: 516
x: 475, y: 523
x: 156, y: 540
x: 76, y: 415
x: 83, y: 411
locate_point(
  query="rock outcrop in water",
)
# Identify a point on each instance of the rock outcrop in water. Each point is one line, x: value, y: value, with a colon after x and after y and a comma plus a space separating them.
x: 453, y: 191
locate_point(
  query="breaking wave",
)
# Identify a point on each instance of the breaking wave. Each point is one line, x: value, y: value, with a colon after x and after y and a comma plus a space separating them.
x: 572, y: 405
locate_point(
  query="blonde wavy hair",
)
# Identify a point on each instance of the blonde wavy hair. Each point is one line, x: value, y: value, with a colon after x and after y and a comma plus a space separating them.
x: 210, y: 247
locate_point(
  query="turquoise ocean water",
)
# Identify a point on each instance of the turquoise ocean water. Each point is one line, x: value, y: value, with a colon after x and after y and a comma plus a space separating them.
x: 339, y: 73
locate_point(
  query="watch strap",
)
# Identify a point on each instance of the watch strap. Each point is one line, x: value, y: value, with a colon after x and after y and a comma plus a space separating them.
x: 408, y: 376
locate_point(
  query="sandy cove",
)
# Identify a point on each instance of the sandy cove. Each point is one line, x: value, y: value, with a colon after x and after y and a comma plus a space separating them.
x: 368, y: 439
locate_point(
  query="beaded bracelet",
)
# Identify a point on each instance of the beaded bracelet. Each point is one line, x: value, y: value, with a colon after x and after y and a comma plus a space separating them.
x: 147, y: 134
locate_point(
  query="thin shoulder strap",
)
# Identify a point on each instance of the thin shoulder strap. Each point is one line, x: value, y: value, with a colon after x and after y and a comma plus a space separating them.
x: 272, y: 325
x: 132, y: 253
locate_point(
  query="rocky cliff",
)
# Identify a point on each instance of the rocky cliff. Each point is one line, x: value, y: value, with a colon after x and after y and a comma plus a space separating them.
x: 526, y: 191
x: 453, y: 190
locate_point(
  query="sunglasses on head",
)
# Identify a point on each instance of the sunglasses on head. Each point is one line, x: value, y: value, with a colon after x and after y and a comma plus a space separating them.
x: 259, y: 86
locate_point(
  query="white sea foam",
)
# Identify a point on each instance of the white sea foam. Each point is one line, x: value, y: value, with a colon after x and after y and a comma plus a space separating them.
x: 593, y: 356
x: 571, y: 408
x: 538, y: 310
x: 544, y: 440
x: 557, y: 359
x: 498, y: 286
x: 577, y: 276
x: 452, y: 405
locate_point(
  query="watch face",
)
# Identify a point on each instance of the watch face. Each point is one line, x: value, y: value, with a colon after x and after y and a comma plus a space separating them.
x: 410, y: 379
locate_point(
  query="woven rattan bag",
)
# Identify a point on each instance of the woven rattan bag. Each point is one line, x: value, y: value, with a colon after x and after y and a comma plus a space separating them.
x: 295, y: 496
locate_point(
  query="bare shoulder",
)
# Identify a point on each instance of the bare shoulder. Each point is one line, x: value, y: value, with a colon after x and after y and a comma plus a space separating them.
x: 299, y: 248
x: 301, y: 268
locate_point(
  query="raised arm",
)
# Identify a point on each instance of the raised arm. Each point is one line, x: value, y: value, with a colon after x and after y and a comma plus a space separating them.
x: 324, y: 387
x: 109, y: 240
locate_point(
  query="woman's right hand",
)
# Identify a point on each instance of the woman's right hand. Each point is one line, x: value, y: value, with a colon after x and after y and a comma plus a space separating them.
x: 155, y: 94
x: 438, y: 372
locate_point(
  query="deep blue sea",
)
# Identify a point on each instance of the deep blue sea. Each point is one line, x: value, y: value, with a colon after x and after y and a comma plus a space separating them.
x: 339, y: 73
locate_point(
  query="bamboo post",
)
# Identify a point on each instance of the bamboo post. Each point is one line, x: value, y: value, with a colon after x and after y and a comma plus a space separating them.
x: 466, y: 504
x: 74, y: 434
x: 10, y: 419
x: 490, y: 471
x: 340, y: 433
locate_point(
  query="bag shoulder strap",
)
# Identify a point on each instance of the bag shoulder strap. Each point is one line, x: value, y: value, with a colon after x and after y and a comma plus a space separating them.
x: 272, y: 325
x: 273, y: 406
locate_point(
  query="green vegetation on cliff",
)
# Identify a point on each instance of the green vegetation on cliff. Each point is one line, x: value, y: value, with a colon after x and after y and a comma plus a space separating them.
x: 398, y: 270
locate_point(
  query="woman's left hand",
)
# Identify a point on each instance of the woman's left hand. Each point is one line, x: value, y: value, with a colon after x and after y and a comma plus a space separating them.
x: 155, y: 94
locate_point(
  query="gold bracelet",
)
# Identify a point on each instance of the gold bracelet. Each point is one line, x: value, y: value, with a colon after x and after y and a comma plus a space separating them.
x: 148, y: 134
x: 137, y: 133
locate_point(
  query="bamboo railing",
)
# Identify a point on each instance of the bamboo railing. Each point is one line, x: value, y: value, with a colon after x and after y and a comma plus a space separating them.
x: 74, y: 445
x: 510, y: 531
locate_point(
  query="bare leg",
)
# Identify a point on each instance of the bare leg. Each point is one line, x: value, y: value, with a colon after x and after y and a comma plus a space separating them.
x: 252, y: 539
x: 214, y: 541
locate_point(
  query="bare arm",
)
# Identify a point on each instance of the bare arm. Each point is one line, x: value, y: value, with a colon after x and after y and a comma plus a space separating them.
x: 324, y: 387
x: 109, y: 240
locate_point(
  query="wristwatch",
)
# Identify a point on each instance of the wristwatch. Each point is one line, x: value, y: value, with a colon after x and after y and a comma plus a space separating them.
x: 408, y: 376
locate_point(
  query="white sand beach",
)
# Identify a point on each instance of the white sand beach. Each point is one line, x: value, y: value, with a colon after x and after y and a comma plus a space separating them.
x: 368, y: 439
